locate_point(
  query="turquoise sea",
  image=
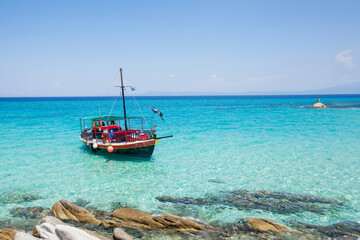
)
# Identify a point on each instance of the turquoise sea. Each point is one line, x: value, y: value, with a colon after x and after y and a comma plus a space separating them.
x: 220, y: 143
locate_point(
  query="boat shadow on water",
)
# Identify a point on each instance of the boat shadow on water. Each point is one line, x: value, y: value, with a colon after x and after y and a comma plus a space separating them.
x: 117, y: 157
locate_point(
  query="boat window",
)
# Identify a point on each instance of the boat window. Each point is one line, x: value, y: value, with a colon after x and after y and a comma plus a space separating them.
x: 96, y: 124
x: 103, y: 124
x: 112, y: 123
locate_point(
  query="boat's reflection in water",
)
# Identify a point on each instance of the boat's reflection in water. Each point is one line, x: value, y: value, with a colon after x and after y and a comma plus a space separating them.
x: 117, y: 157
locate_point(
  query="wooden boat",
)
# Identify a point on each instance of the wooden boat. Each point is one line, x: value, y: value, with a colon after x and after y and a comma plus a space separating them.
x: 114, y: 134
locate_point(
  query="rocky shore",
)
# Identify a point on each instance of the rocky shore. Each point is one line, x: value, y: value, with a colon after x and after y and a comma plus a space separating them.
x: 69, y: 221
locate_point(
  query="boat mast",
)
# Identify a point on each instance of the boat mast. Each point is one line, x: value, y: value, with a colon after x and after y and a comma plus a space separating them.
x: 123, y: 98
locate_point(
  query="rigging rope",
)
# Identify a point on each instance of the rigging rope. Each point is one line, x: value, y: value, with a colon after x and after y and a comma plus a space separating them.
x: 113, y: 106
x: 138, y: 107
x: 129, y: 82
x: 109, y: 85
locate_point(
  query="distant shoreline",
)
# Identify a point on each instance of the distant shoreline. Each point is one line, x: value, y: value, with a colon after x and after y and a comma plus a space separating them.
x: 266, y: 96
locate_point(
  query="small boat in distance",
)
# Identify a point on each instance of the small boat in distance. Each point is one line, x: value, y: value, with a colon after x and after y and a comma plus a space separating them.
x: 117, y: 134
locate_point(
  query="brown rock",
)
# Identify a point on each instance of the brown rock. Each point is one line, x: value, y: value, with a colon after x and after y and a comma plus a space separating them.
x: 66, y: 210
x: 172, y: 221
x: 263, y: 225
x: 7, y: 234
x: 135, y: 218
x: 109, y: 224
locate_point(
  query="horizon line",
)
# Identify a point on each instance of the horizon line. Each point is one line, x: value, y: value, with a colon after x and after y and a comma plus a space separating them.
x: 202, y: 95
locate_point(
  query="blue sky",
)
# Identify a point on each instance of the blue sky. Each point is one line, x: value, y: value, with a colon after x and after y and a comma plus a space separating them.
x: 75, y: 48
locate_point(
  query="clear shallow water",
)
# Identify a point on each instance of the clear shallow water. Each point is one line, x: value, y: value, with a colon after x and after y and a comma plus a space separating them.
x: 219, y: 144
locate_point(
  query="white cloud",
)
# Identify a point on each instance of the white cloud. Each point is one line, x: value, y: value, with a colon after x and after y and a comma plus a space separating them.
x: 214, y: 77
x: 171, y: 75
x: 345, y: 58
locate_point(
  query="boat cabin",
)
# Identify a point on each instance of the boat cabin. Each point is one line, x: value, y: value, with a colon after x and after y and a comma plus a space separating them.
x: 114, y: 129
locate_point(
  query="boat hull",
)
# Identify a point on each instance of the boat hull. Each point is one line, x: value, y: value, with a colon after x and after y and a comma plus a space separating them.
x: 140, y: 148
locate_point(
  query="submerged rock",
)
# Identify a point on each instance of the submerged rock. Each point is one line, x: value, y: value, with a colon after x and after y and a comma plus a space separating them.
x: 187, y: 200
x: 81, y: 202
x: 117, y: 205
x: 30, y: 212
x: 345, y: 229
x: 17, y: 197
x: 215, y: 180
x: 102, y: 215
x: 66, y: 210
x: 277, y: 202
x: 283, y: 195
x: 256, y: 228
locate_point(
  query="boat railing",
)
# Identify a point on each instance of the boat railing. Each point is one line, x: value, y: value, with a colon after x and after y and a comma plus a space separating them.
x: 87, y: 135
x: 131, y: 135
